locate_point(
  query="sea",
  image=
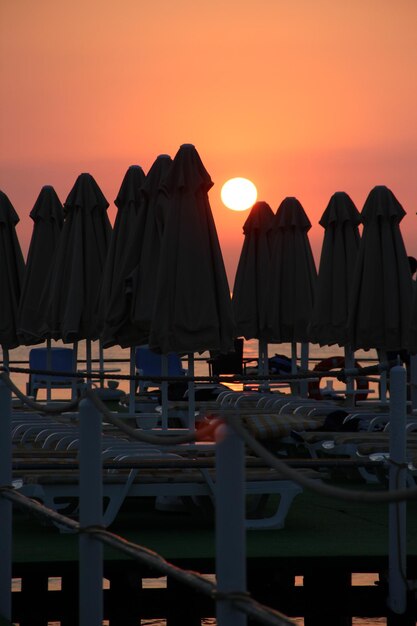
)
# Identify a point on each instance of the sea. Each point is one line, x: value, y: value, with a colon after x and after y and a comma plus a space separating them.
x: 120, y: 365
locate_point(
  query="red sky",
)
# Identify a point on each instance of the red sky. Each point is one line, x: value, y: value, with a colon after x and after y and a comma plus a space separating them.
x: 304, y: 97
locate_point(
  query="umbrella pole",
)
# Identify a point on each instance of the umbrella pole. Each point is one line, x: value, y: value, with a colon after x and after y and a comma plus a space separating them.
x: 191, y: 393
x: 413, y: 381
x: 101, y: 361
x: 294, y: 364
x: 74, y: 369
x: 132, y: 381
x: 263, y: 369
x: 49, y: 368
x: 383, y: 379
x: 6, y: 360
x: 88, y: 361
x: 349, y: 364
x: 164, y: 391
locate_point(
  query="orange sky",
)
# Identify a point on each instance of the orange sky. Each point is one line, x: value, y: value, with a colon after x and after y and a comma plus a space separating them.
x: 305, y: 97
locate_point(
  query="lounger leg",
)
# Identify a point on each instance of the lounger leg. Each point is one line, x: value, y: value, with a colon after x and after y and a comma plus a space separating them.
x: 287, y: 494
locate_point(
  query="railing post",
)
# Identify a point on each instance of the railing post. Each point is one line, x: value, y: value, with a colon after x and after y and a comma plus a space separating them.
x: 5, y: 505
x: 397, y: 565
x: 230, y: 524
x: 413, y: 381
x: 91, y: 514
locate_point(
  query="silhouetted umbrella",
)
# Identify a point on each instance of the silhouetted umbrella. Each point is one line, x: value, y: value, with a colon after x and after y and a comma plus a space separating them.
x: 381, y: 296
x: 71, y: 295
x: 120, y: 327
x: 293, y: 273
x: 141, y: 282
x: 47, y: 215
x: 192, y: 311
x: 293, y: 277
x: 129, y: 315
x: 119, y: 256
x: 12, y: 268
x: 251, y: 294
x: 79, y: 263
x: 337, y: 263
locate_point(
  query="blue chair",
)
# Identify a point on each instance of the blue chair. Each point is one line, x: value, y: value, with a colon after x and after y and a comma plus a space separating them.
x: 61, y: 360
x: 149, y: 363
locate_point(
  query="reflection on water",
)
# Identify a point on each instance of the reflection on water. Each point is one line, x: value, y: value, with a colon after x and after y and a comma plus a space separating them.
x: 357, y: 579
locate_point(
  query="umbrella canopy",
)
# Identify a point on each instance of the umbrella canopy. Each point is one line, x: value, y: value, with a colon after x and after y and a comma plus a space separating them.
x: 412, y: 336
x: 48, y: 216
x: 136, y: 306
x: 250, y: 292
x: 381, y: 295
x: 337, y: 262
x: 72, y: 292
x: 192, y: 311
x: 12, y: 268
x: 130, y: 216
x: 293, y: 274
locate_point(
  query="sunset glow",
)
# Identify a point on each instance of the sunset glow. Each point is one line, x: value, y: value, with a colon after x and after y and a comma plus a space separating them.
x: 308, y: 98
x: 238, y: 194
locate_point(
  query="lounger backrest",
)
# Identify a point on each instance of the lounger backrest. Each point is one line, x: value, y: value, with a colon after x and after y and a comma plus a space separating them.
x: 61, y: 361
x: 150, y: 363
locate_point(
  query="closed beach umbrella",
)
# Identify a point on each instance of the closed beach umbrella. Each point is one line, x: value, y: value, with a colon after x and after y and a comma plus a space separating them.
x: 12, y: 268
x: 412, y: 336
x: 47, y: 215
x: 119, y: 326
x: 293, y: 274
x: 337, y: 263
x: 251, y: 294
x: 129, y: 315
x: 192, y: 309
x: 382, y: 286
x: 129, y: 215
x: 71, y: 295
x: 79, y: 263
x: 293, y: 279
x: 142, y: 283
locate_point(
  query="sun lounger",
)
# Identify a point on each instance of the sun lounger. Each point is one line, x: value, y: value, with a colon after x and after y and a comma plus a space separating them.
x: 59, y: 489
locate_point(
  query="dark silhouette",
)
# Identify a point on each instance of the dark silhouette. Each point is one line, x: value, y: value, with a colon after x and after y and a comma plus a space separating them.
x: 404, y: 355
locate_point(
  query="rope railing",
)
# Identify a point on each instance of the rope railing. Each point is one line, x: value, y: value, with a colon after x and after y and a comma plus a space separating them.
x: 341, y: 374
x: 229, y: 484
x: 350, y: 495
x: 37, y: 406
x: 167, y: 439
x: 244, y: 602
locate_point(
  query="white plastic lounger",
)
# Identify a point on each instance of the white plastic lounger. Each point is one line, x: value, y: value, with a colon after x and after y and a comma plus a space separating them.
x: 58, y: 490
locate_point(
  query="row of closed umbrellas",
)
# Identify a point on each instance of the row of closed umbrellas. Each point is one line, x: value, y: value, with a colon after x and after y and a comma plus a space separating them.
x: 363, y: 292
x: 158, y: 277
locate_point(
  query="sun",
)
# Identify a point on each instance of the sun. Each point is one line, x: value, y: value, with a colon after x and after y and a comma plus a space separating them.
x: 238, y: 194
